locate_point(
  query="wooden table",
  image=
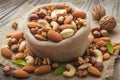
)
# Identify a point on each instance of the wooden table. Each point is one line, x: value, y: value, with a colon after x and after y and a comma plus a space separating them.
x: 10, y: 8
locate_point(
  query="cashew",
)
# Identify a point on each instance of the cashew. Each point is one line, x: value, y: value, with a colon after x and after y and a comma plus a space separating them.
x: 29, y: 60
x: 22, y: 46
x: 6, y: 41
x: 75, y: 26
x: 54, y: 25
x: 99, y: 55
x: 44, y: 23
x: 56, y: 13
x: 71, y: 71
x: 82, y: 21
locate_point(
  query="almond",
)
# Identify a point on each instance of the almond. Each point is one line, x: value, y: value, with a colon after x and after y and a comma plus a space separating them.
x: 33, y: 24
x: 106, y: 56
x: 54, y: 36
x: 67, y: 33
x: 6, y: 52
x: 101, y: 43
x: 117, y: 47
x: 96, y: 40
x: 20, y: 74
x: 39, y: 37
x: 94, y: 71
x: 19, y: 55
x: 65, y: 26
x: 105, y: 38
x: 79, y: 14
x: 42, y: 69
x: 29, y: 52
x: 17, y: 35
x: 29, y: 68
x: 68, y: 19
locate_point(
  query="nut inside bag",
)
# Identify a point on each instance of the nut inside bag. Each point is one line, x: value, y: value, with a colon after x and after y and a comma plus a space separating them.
x: 58, y: 31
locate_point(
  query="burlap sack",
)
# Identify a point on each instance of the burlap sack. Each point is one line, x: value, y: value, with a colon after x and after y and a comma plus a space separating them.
x: 66, y: 50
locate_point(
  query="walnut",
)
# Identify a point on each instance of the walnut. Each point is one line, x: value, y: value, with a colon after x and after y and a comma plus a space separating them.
x: 98, y: 12
x: 108, y: 23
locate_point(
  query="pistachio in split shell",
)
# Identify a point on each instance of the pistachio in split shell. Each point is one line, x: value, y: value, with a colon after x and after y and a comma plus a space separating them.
x: 108, y: 23
x: 98, y: 12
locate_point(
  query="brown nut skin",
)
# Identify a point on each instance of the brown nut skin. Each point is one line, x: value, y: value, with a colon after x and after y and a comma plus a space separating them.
x: 14, y: 41
x: 60, y: 19
x: 98, y: 12
x: 94, y: 71
x: 42, y: 69
x: 99, y: 66
x: 103, y: 49
x: 104, y: 33
x: 7, y: 70
x: 14, y: 48
x: 108, y: 23
x: 42, y: 13
x: 48, y: 18
x: 96, y: 34
x: 79, y: 14
x: 34, y: 30
x: 33, y: 17
x: 95, y: 29
x: 6, y: 52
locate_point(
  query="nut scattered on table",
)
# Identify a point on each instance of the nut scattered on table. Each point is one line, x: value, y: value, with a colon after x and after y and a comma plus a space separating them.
x: 108, y: 23
x: 98, y: 12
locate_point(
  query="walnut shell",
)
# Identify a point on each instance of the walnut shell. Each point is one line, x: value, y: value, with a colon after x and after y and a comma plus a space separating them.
x: 98, y: 12
x: 108, y: 23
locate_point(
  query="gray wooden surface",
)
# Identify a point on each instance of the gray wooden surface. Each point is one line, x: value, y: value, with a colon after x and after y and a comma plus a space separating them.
x: 10, y: 8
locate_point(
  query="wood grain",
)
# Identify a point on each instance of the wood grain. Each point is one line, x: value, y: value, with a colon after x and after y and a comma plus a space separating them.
x: 10, y: 8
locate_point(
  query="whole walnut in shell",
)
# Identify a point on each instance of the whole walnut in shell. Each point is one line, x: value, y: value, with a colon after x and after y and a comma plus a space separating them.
x: 98, y: 12
x: 108, y: 23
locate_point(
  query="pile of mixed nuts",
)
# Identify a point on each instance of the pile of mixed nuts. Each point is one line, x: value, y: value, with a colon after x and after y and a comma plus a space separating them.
x: 55, y: 22
x: 15, y: 47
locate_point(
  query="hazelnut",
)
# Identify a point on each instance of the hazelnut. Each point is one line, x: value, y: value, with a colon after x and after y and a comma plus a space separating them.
x: 42, y: 13
x: 15, y: 25
x: 60, y: 19
x: 103, y: 49
x: 108, y: 23
x: 14, y: 41
x: 99, y: 66
x: 33, y: 17
x: 54, y: 65
x: 98, y: 12
x: 81, y: 73
x: 104, y: 33
x: 48, y: 18
x: 95, y: 29
x: 34, y: 30
x: 7, y: 70
x: 14, y: 48
x: 96, y: 34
